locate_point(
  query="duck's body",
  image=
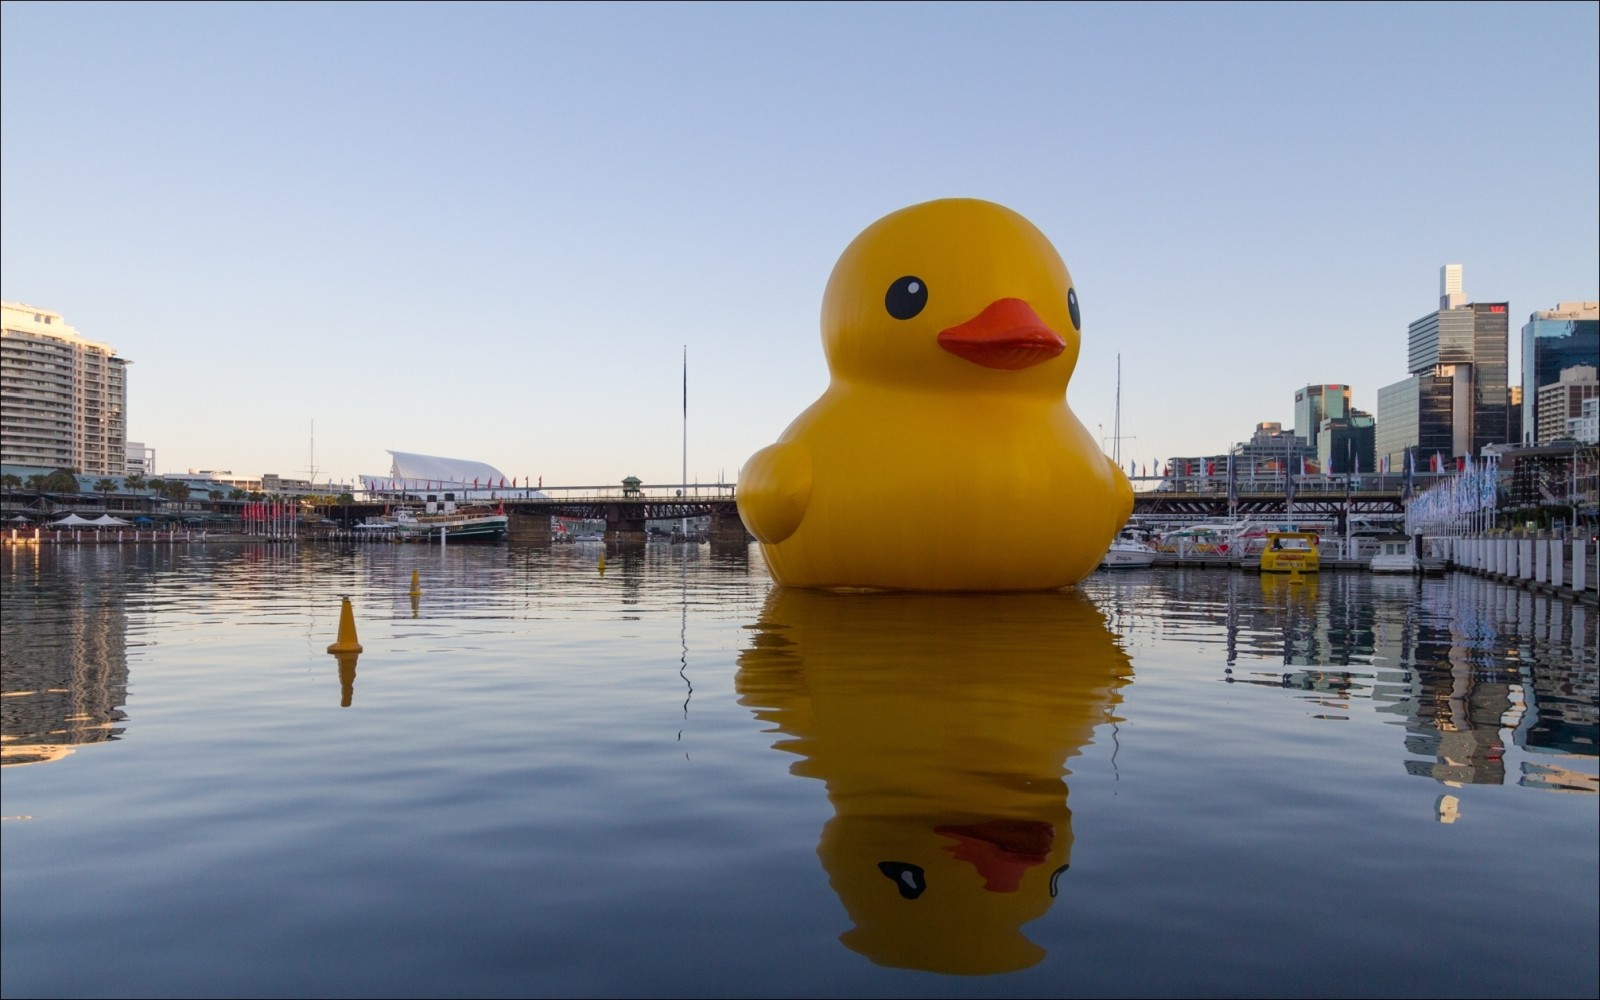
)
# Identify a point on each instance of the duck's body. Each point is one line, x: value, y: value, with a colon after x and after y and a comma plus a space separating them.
x: 943, y: 455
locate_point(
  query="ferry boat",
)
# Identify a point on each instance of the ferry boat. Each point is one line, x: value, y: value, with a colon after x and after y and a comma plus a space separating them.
x: 1129, y: 550
x: 1290, y: 552
x: 445, y: 519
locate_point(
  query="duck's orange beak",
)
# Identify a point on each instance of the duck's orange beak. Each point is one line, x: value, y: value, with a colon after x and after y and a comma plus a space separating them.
x: 1007, y: 335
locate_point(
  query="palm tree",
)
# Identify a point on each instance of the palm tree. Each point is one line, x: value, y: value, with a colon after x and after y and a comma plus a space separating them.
x: 134, y: 482
x: 105, y: 487
x: 61, y: 481
x: 11, y: 481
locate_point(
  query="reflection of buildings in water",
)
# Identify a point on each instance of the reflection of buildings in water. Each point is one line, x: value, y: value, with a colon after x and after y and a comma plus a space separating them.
x: 64, y: 672
x: 1465, y: 663
x: 1558, y: 778
x: 941, y: 725
x: 1479, y: 661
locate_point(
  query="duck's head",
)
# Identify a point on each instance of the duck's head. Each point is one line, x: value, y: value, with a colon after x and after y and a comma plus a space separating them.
x: 957, y: 293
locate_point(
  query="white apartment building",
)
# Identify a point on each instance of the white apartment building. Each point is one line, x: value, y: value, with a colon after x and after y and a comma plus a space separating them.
x: 1562, y: 400
x: 63, y: 399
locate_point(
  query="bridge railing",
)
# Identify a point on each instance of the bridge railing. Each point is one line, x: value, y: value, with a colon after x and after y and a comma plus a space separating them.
x: 659, y: 492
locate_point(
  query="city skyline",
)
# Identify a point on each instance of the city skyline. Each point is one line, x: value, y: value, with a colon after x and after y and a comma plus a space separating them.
x: 441, y: 231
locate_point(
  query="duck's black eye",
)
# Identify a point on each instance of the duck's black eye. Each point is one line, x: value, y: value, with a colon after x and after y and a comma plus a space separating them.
x: 906, y: 297
x: 1072, y: 307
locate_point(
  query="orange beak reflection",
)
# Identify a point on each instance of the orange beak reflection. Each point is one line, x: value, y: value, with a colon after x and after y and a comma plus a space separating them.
x: 1008, y: 336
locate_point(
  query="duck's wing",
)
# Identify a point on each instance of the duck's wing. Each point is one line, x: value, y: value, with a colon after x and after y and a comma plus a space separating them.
x: 774, y: 490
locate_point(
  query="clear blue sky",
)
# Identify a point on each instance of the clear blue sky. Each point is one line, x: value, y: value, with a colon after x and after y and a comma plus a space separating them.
x: 490, y: 231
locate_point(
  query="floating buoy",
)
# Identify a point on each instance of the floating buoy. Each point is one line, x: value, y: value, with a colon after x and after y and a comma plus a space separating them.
x: 346, y: 643
x: 416, y: 584
x: 602, y: 565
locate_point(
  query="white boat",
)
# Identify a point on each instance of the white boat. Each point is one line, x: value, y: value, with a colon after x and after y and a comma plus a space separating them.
x: 1394, y: 555
x: 1129, y: 551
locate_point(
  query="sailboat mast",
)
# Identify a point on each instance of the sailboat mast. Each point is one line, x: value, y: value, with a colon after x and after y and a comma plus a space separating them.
x: 684, y: 492
x: 1116, y: 421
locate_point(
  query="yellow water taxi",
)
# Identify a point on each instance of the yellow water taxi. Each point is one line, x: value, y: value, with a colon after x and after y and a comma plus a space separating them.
x: 1290, y: 552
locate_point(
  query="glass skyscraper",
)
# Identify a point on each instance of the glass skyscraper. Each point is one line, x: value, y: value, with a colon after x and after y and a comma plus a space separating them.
x: 1554, y: 340
x: 1316, y: 403
x: 1457, y: 400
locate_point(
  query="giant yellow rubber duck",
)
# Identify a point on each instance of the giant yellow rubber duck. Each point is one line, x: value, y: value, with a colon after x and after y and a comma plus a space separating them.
x: 943, y: 455
x: 941, y: 725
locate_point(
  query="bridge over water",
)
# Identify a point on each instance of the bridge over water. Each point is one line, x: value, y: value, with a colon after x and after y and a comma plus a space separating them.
x: 1376, y: 500
x: 625, y: 511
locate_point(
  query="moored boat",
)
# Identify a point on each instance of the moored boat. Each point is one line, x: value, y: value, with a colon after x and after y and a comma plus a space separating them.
x: 1395, y: 555
x: 447, y: 520
x: 1291, y: 552
x: 1129, y: 550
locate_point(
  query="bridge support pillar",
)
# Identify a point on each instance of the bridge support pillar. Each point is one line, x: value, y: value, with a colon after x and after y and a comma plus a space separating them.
x: 624, y: 527
x: 528, y: 529
x: 728, y: 529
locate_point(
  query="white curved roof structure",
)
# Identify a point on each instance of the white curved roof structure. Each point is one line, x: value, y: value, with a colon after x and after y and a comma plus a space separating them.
x: 448, y: 470
x: 410, y: 471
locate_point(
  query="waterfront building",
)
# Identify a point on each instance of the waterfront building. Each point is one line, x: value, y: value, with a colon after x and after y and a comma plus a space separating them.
x: 1347, y: 444
x: 1562, y: 401
x: 1514, y: 415
x: 1270, y: 450
x: 1315, y: 403
x: 1552, y: 341
x: 63, y: 399
x: 1456, y: 399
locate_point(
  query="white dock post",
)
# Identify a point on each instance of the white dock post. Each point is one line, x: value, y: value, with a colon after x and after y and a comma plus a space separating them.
x: 1557, y: 560
x: 1580, y: 565
x: 1541, y: 560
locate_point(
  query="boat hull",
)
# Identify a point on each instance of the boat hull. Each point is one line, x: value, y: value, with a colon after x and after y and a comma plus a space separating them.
x: 1125, y: 559
x: 487, y: 530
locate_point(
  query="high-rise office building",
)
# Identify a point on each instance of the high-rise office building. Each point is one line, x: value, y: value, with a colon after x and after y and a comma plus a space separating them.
x: 1316, y: 403
x: 1554, y: 340
x: 1457, y: 398
x: 63, y: 399
x: 1346, y: 444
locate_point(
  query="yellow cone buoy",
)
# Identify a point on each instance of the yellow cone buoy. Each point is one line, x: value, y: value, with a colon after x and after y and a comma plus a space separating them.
x: 346, y: 643
x: 416, y: 584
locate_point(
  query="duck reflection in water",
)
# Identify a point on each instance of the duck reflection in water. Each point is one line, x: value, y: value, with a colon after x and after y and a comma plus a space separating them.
x: 941, y: 724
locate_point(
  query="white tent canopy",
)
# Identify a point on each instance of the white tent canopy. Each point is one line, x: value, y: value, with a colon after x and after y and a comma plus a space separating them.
x: 107, y: 521
x: 72, y: 521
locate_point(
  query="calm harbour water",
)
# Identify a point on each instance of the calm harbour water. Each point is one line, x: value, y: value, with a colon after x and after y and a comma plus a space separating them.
x: 664, y: 776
